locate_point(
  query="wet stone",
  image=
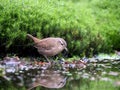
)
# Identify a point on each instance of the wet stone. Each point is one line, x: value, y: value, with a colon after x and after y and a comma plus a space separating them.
x: 113, y: 73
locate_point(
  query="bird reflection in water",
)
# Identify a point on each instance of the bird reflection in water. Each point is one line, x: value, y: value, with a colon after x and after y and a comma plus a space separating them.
x: 49, y: 79
x: 33, y: 74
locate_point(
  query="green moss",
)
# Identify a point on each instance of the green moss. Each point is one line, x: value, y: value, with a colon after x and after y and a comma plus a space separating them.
x: 84, y: 24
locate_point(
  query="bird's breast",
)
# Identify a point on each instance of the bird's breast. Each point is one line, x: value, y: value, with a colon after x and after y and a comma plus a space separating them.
x: 51, y: 52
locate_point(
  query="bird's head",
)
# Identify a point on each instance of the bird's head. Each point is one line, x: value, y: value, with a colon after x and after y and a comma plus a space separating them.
x: 63, y: 43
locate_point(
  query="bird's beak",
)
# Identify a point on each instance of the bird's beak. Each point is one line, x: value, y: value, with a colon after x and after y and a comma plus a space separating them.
x: 66, y: 49
x: 65, y: 52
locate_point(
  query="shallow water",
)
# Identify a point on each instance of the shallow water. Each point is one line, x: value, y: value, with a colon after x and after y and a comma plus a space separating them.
x: 99, y: 74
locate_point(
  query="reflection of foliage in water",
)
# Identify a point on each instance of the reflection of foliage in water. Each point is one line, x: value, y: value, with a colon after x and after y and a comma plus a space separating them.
x: 98, y: 74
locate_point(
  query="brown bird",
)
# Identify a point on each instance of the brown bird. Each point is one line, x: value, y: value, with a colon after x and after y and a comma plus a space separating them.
x: 50, y: 46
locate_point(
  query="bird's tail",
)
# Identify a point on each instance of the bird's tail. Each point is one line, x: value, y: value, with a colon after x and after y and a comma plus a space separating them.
x: 33, y: 38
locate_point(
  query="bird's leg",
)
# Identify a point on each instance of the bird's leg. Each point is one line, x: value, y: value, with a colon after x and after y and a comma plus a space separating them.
x: 49, y: 62
x: 46, y: 58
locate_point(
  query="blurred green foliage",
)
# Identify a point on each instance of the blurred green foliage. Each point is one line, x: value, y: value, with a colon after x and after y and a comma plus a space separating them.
x: 88, y: 26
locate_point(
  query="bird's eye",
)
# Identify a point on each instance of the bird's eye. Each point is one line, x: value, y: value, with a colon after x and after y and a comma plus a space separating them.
x: 61, y: 42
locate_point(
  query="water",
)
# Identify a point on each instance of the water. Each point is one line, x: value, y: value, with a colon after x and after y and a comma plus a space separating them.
x: 99, y: 73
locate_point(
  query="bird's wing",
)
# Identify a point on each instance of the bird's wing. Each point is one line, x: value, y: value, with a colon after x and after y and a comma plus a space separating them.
x: 44, y: 45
